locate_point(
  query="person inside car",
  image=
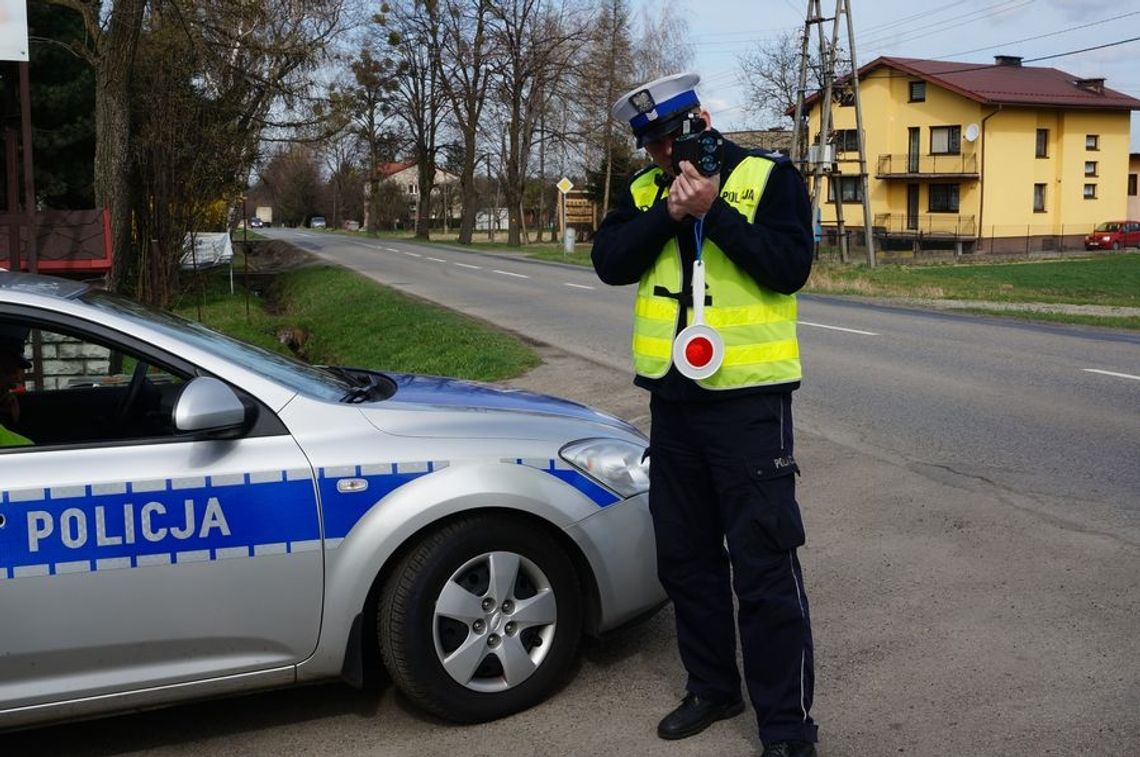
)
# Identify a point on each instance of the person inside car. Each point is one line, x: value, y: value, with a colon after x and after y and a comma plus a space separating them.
x: 12, y: 367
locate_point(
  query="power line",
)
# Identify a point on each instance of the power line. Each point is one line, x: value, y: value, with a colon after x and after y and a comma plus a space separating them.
x: 1039, y: 36
x: 1084, y: 50
x: 979, y: 15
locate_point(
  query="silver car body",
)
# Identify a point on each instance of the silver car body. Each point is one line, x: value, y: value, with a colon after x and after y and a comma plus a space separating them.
x: 133, y: 575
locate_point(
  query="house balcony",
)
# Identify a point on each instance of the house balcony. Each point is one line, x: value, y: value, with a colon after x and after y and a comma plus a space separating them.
x: 938, y: 225
x: 912, y: 167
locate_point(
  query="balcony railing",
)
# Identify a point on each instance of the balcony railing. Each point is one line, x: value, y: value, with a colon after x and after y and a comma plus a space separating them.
x: 932, y: 225
x: 927, y: 166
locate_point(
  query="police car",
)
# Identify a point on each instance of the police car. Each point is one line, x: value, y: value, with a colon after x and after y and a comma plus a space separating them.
x: 191, y: 516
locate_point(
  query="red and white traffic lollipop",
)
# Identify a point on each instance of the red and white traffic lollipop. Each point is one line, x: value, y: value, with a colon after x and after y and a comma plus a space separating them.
x: 698, y: 350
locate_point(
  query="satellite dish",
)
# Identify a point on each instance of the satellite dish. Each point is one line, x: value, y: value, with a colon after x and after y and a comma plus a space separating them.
x: 971, y: 132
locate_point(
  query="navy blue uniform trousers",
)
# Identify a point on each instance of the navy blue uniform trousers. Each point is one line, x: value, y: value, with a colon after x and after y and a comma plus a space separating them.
x: 724, y: 470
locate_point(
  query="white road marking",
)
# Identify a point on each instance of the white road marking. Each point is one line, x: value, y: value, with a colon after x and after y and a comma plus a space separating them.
x: 391, y: 249
x: 468, y: 265
x: 516, y: 275
x: 412, y: 254
x: 576, y: 286
x: 838, y: 328
x: 437, y: 260
x: 1111, y: 373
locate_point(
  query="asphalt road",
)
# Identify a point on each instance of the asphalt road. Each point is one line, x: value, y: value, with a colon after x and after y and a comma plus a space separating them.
x: 1049, y: 412
x: 970, y: 490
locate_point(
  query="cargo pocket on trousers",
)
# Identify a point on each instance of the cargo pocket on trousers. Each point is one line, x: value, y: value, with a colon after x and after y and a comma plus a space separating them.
x: 776, y: 518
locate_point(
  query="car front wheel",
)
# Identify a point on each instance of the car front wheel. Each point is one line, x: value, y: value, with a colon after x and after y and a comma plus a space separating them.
x: 480, y: 619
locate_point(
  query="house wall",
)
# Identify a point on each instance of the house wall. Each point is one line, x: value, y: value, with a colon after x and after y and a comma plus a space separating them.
x: 1000, y: 203
x: 1134, y: 197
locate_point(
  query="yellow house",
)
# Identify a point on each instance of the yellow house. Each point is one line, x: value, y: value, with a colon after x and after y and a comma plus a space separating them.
x: 995, y: 157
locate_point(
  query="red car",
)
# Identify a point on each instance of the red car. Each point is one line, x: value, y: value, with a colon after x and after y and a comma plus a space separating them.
x: 1113, y: 235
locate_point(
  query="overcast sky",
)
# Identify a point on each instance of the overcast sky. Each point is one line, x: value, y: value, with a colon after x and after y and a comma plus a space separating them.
x: 959, y: 30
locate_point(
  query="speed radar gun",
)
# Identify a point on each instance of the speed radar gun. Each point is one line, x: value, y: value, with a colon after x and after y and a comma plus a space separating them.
x: 698, y: 350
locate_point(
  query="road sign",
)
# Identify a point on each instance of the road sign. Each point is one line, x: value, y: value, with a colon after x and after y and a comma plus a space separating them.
x: 564, y: 185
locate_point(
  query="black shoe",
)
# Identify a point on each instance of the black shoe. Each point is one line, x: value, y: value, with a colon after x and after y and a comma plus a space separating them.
x: 789, y: 749
x: 695, y: 715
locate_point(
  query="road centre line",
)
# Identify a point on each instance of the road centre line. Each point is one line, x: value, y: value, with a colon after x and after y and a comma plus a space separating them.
x: 576, y: 286
x: 468, y: 265
x: 391, y: 249
x: 516, y: 275
x: 1111, y: 373
x: 411, y: 254
x: 838, y: 328
x: 437, y: 260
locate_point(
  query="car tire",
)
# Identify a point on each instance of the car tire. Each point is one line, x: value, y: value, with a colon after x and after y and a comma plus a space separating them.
x: 445, y: 632
x: 1116, y: 246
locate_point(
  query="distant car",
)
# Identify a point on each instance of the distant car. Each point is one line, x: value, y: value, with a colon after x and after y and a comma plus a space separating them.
x: 255, y: 223
x: 197, y: 516
x: 1114, y: 235
x: 317, y: 222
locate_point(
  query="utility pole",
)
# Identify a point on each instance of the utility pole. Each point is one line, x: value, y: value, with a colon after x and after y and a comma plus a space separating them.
x: 821, y: 161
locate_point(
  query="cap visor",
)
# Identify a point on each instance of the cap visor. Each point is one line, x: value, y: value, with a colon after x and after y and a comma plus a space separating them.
x: 661, y: 128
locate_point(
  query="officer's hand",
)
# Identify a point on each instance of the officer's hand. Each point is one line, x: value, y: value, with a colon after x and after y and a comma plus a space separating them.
x: 692, y: 194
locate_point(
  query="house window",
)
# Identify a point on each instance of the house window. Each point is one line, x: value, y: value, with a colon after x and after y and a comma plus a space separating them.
x: 1090, y: 168
x: 1092, y: 141
x: 918, y: 91
x: 846, y: 97
x: 847, y: 140
x: 1090, y: 191
x: 1131, y: 185
x: 1038, y: 198
x: 943, y: 198
x: 945, y: 140
x: 1043, y: 143
x: 850, y: 188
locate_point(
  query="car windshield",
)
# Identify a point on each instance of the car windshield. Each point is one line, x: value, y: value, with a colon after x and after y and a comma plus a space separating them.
x: 298, y: 376
x: 1108, y: 227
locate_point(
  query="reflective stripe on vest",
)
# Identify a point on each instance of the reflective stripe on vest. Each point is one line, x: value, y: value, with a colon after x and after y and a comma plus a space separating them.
x: 757, y: 324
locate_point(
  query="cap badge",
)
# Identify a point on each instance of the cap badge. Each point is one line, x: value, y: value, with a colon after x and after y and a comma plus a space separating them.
x: 643, y: 102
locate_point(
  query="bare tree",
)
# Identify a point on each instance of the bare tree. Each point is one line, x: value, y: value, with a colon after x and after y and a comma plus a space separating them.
x: 467, y: 53
x: 662, y: 47
x: 112, y: 40
x: 539, y: 41
x: 236, y: 59
x: 414, y: 36
x: 770, y: 74
x: 606, y: 72
x: 368, y: 106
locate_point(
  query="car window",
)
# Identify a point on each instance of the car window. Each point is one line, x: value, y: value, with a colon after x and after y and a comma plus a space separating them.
x: 291, y: 373
x: 63, y: 388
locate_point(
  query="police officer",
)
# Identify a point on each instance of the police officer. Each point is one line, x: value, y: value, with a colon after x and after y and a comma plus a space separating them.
x: 721, y: 448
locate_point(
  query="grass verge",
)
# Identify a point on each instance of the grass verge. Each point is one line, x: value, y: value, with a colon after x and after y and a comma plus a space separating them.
x: 336, y: 317
x: 1109, y: 280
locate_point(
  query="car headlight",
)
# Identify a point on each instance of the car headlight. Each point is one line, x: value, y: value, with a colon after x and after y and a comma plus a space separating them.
x: 614, y: 463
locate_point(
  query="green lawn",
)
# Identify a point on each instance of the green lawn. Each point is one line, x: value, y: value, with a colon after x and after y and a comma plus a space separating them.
x: 342, y: 318
x: 1101, y: 280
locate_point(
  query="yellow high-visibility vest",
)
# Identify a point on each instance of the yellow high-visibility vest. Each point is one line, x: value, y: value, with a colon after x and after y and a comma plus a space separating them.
x: 757, y: 324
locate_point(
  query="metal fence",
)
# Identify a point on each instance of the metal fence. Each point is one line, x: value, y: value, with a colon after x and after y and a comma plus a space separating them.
x: 937, y: 238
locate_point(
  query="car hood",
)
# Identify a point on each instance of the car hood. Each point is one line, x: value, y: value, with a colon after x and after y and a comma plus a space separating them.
x: 431, y: 405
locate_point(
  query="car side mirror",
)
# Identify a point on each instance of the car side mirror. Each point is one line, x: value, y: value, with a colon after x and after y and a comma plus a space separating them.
x: 210, y: 407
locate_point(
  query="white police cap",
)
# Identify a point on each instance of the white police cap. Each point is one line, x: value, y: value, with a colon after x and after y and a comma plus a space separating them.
x: 657, y: 108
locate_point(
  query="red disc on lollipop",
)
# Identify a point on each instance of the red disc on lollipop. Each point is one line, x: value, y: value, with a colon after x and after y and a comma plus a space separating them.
x: 699, y: 351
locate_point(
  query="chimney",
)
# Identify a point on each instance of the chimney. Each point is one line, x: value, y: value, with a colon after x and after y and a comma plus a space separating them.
x: 1092, y: 85
x: 1007, y: 60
